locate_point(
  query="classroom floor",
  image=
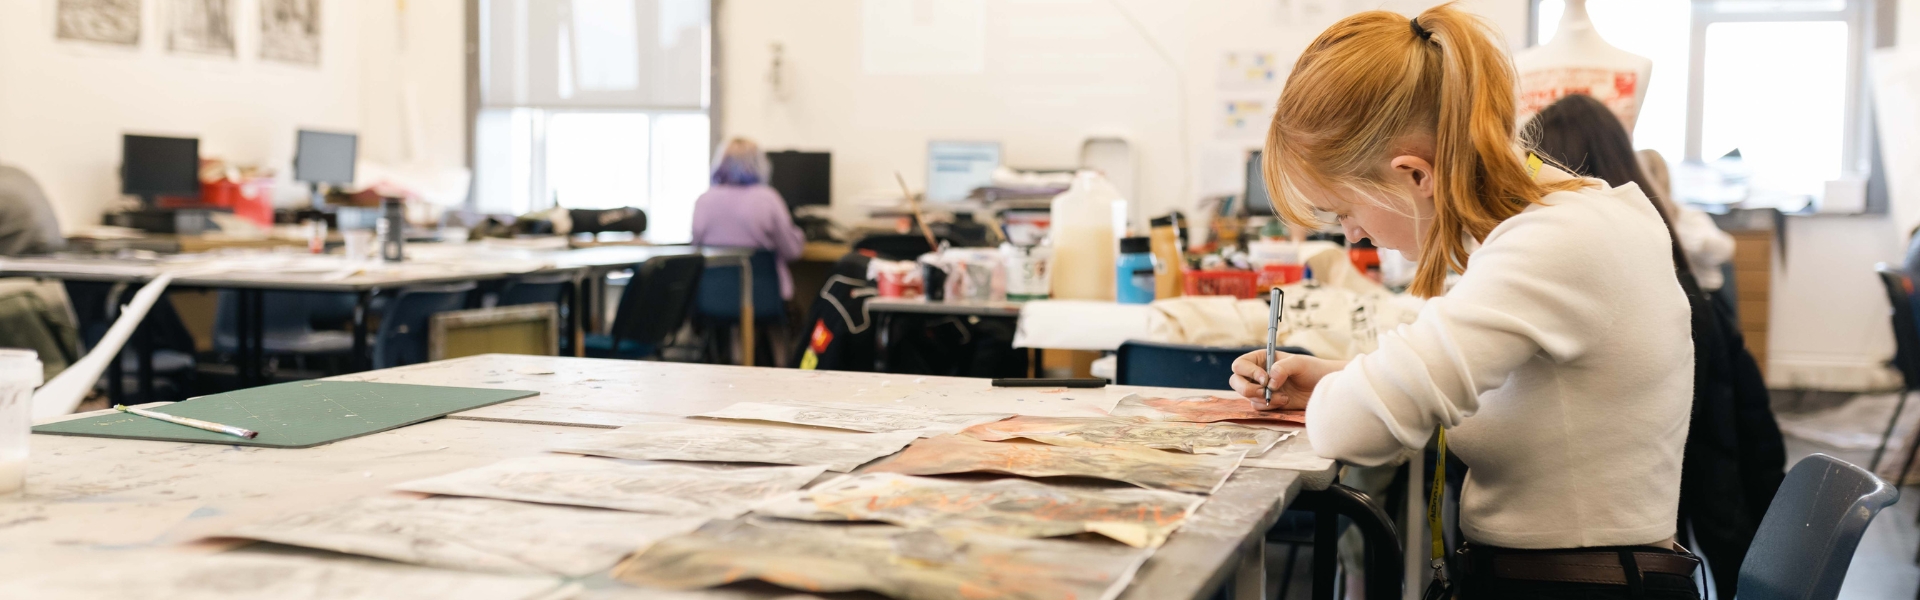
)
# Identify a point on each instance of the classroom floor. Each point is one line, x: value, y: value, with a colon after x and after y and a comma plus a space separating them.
x: 1848, y: 428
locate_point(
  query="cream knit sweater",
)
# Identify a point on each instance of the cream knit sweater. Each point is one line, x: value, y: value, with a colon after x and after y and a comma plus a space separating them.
x: 1561, y: 363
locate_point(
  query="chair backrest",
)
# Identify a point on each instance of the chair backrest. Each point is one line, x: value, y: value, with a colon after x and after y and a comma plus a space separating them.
x: 1806, y: 541
x: 1180, y: 365
x: 658, y: 298
x: 533, y: 288
x: 719, y: 297
x: 1906, y: 332
x: 404, y: 327
x: 284, y: 313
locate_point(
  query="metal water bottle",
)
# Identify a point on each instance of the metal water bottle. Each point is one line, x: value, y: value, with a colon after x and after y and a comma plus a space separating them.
x: 392, y: 230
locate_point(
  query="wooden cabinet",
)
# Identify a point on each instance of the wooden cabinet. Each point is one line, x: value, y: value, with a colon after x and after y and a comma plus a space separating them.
x: 1753, y: 282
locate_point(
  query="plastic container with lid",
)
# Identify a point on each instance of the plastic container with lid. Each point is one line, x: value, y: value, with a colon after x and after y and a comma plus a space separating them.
x: 1081, y: 227
x: 20, y: 373
x: 1134, y: 271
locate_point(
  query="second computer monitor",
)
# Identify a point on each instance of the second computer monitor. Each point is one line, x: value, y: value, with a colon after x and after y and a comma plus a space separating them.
x: 955, y: 169
x: 325, y: 157
x: 152, y: 166
x: 802, y: 178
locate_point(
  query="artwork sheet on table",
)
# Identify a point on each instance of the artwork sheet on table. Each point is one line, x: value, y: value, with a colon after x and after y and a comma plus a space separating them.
x: 872, y: 418
x: 677, y: 490
x: 629, y: 592
x: 255, y: 576
x: 1203, y: 409
x: 740, y: 443
x: 1152, y: 469
x: 1093, y: 432
x: 1010, y: 507
x: 895, y: 561
x: 472, y: 534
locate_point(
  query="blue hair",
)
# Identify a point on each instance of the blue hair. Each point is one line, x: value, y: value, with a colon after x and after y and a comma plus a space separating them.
x: 736, y: 170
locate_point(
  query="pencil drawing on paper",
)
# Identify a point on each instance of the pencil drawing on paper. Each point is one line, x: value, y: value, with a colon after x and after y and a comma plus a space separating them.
x: 890, y: 560
x: 1193, y: 438
x: 472, y: 534
x: 290, y: 31
x: 691, y: 440
x: 102, y: 21
x: 659, y: 489
x: 200, y: 26
x: 857, y: 417
x: 251, y: 576
x: 1202, y: 410
x: 1010, y: 507
x: 1199, y: 473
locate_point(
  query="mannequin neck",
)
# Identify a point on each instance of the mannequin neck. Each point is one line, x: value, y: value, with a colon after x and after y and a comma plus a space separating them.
x: 1575, y: 25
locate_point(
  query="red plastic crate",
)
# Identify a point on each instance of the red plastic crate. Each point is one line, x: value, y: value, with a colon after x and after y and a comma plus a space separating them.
x: 1239, y: 284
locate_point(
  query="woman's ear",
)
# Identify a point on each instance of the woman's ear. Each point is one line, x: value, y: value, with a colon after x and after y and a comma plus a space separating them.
x: 1413, y: 172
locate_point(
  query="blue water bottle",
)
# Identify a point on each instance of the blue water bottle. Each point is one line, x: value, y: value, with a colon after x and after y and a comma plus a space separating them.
x: 1134, y: 276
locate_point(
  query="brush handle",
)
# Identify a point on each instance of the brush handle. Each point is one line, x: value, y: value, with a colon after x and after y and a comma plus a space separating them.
x: 192, y: 422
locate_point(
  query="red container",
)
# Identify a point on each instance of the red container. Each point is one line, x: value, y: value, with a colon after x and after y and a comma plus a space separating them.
x: 1279, y: 275
x: 1239, y: 284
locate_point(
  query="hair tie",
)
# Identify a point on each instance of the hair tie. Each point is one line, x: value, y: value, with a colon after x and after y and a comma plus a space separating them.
x: 1420, y: 31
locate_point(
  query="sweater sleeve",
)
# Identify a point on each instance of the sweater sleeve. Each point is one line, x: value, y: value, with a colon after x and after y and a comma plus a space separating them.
x: 1536, y: 286
x: 788, y: 240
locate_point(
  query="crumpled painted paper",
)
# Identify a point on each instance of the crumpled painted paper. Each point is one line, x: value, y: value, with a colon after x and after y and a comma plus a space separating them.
x: 720, y: 493
x: 1192, y: 438
x: 1199, y: 473
x: 1203, y: 410
x: 730, y: 442
x: 1010, y: 507
x: 895, y: 561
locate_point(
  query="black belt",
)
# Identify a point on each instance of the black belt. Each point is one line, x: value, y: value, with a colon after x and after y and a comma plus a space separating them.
x: 1580, y: 565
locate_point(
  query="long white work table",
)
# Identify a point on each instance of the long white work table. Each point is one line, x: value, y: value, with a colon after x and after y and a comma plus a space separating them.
x: 106, y: 502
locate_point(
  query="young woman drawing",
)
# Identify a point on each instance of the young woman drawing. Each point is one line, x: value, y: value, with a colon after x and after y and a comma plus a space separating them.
x: 1560, y: 362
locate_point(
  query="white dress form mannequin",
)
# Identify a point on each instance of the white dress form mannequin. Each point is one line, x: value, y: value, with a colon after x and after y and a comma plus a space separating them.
x: 1577, y: 61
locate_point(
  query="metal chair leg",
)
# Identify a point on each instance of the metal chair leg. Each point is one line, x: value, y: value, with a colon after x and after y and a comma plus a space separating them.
x: 1874, y: 465
x: 1385, y: 574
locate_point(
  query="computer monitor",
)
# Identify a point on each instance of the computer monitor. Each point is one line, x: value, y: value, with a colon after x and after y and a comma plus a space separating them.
x: 324, y: 157
x: 802, y: 178
x: 1257, y: 202
x: 955, y: 169
x: 152, y: 166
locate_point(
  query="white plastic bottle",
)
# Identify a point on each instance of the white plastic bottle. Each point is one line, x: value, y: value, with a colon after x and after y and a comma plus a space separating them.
x: 19, y: 374
x: 1083, y: 242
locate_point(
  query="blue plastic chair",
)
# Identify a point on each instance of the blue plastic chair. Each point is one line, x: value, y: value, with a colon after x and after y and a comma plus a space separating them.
x: 402, y: 339
x: 652, y: 308
x: 1807, y: 539
x: 536, y: 288
x: 1181, y: 365
x: 718, y: 302
x: 286, y: 325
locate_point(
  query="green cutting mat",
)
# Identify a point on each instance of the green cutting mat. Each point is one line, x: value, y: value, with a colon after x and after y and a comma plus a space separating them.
x: 299, y: 414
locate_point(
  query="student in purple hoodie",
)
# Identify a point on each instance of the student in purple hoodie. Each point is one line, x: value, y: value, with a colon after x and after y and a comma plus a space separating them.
x: 741, y: 211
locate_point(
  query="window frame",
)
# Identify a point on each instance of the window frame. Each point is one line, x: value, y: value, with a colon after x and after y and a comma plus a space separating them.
x: 1859, y: 139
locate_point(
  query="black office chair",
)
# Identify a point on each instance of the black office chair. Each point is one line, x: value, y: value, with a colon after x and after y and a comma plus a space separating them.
x: 402, y: 339
x: 652, y: 308
x: 96, y: 307
x: 535, y: 288
x: 895, y: 246
x: 1906, y: 357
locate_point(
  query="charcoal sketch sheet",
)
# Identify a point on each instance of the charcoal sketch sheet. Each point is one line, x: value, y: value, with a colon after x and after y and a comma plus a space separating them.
x: 720, y: 493
x: 1192, y: 438
x: 200, y: 26
x: 894, y: 561
x: 1202, y: 410
x: 290, y: 31
x: 873, y: 418
x: 1198, y: 473
x: 1009, y: 507
x: 101, y: 21
x: 472, y: 534
x: 727, y: 442
x: 250, y: 576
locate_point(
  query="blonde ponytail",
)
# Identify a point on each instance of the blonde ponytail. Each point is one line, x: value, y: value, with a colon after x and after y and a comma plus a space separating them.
x: 1374, y: 81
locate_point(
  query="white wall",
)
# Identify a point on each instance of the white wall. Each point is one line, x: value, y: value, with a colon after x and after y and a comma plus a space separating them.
x: 1055, y: 73
x: 64, y: 105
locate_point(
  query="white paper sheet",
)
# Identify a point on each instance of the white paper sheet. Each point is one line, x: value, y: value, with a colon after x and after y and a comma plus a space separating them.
x: 692, y: 440
x: 872, y: 418
x: 60, y: 396
x: 251, y: 576
x: 678, y: 490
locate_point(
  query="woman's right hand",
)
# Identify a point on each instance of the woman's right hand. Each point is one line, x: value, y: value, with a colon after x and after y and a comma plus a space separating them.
x: 1293, y: 375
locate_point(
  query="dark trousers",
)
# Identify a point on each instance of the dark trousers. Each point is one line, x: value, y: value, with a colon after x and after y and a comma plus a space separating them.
x: 1480, y: 584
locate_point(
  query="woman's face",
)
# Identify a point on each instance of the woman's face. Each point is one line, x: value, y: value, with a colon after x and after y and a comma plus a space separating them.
x: 1388, y: 222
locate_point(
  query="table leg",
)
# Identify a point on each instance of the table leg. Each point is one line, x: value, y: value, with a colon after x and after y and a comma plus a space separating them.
x: 258, y: 330
x: 243, y: 338
x: 882, y: 323
x: 577, y: 301
x: 746, y: 312
x: 359, y: 360
x: 143, y: 351
x: 1250, y: 578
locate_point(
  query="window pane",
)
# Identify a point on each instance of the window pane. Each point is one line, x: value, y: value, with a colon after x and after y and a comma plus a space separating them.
x: 597, y: 160
x: 1654, y: 29
x: 503, y: 161
x: 680, y: 158
x: 1783, y: 105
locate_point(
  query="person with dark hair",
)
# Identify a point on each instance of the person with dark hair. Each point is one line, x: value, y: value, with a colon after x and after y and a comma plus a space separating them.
x: 1734, y: 455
